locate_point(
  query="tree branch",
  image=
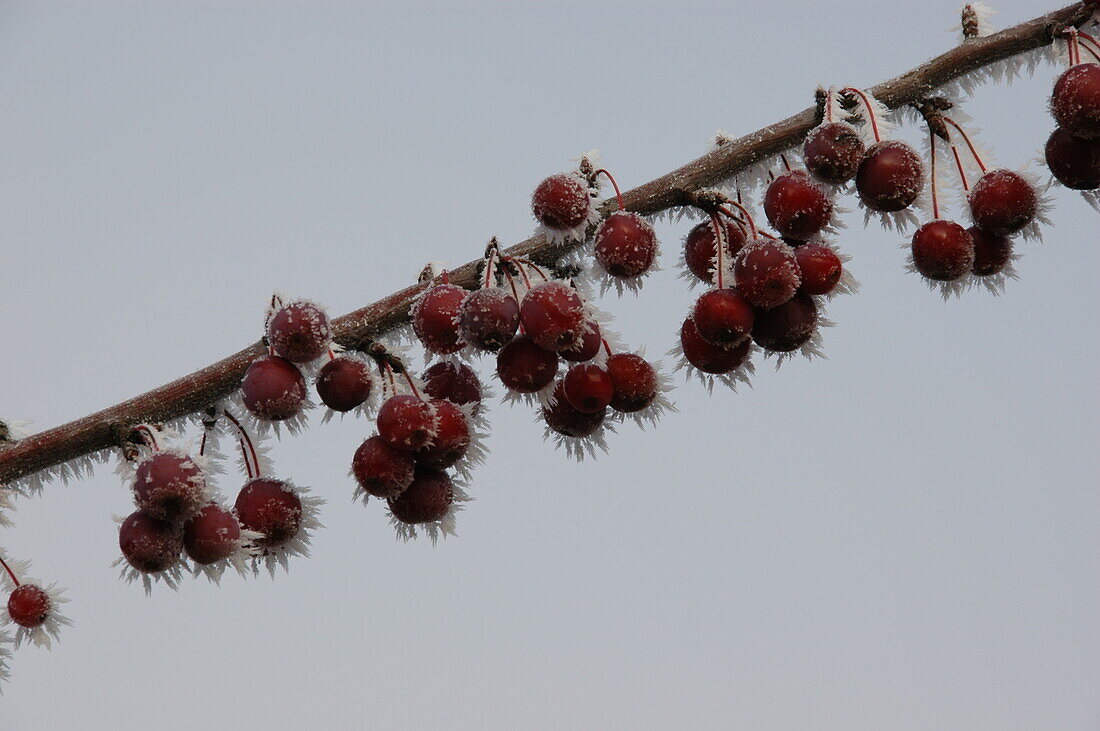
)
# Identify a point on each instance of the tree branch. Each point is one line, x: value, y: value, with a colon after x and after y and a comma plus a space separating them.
x: 198, y: 390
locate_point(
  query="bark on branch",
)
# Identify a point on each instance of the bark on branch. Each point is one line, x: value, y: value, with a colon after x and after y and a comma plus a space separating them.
x: 198, y: 390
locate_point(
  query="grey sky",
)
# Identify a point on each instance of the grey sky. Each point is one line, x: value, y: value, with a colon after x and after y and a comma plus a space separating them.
x: 902, y: 536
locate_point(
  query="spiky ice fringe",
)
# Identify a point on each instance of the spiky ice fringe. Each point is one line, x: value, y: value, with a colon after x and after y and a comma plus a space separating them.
x: 47, y: 632
x: 271, y: 557
x: 1033, y: 231
x: 237, y: 560
x: 79, y: 468
x: 5, y: 656
x: 17, y: 429
x: 812, y: 348
x: 6, y: 506
x: 478, y: 450
x: 739, y: 375
x: 848, y: 284
x: 262, y: 428
x: 444, y: 527
x: 881, y: 113
x: 661, y: 405
x: 579, y: 447
x: 1092, y: 197
x: 893, y: 221
x: 537, y: 399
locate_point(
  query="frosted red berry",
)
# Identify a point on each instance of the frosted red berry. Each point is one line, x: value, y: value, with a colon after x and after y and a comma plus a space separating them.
x: 890, y: 176
x: 553, y: 315
x: 299, y: 331
x: 1075, y: 103
x: 722, y: 317
x: 588, y: 347
x: 406, y: 422
x: 832, y: 152
x: 1003, y: 202
x: 456, y: 382
x: 587, y: 388
x: 29, y: 606
x: 766, y: 273
x: 700, y: 250
x: 707, y: 357
x: 942, y: 250
x: 169, y: 486
x: 525, y: 367
x: 562, y: 201
x: 428, y: 497
x: 1075, y: 162
x: 270, y: 508
x: 450, y: 437
x: 626, y: 245
x: 489, y: 318
x: 992, y: 253
x: 211, y: 535
x: 633, y: 381
x: 435, y: 318
x: 344, y: 383
x: 787, y: 327
x: 562, y: 418
x: 797, y: 206
x: 148, y: 544
x: 380, y: 469
x: 273, y: 388
x: 820, y: 267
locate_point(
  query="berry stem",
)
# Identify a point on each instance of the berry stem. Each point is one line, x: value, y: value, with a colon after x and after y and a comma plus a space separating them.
x: 1091, y: 44
x: 10, y: 572
x: 489, y: 270
x: 606, y: 347
x: 618, y: 193
x: 247, y: 447
x: 719, y: 246
x: 969, y: 144
x: 935, y: 199
x: 867, y: 108
x: 744, y: 212
x: 829, y: 100
x: 786, y: 163
x: 408, y: 379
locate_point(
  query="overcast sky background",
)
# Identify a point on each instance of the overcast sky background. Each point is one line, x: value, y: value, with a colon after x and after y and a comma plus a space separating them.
x: 902, y: 536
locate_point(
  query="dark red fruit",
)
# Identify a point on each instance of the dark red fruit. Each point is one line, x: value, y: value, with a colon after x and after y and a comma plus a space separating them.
x: 406, y: 422
x: 211, y: 535
x: 832, y: 152
x: 722, y: 317
x: 299, y: 331
x: 625, y: 245
x: 588, y: 347
x: 169, y: 486
x: 700, y: 250
x: 435, y: 318
x: 29, y: 606
x: 450, y: 439
x: 633, y: 381
x: 273, y: 388
x: 820, y: 267
x: 561, y: 202
x: 270, y: 508
x: 553, y: 316
x: 148, y: 544
x: 797, y: 206
x: 525, y: 367
x: 991, y: 252
x: 455, y: 382
x: 489, y: 318
x: 380, y: 469
x: 1075, y: 103
x: 568, y: 421
x: 890, y: 176
x: 942, y: 250
x: 1002, y: 202
x: 787, y: 327
x: 707, y: 357
x: 344, y: 383
x: 766, y: 273
x: 1074, y: 161
x: 587, y: 388
x: 426, y: 499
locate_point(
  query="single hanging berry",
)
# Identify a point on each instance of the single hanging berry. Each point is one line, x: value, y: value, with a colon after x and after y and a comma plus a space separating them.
x: 169, y: 486
x: 820, y: 266
x: 832, y: 152
x: 722, y: 317
x: 273, y: 388
x: 213, y: 534
x: 344, y: 382
x: 1002, y: 202
x: 455, y: 382
x: 562, y: 418
x: 588, y: 347
x: 1075, y: 162
x: 766, y: 273
x: 148, y: 544
x: 380, y: 469
x: 299, y: 331
x: 489, y: 318
x: 435, y: 318
x: 450, y: 437
x: 553, y: 315
x: 1075, y: 102
x: 406, y: 422
x: 890, y: 176
x: 588, y: 388
x: 787, y: 327
x: 942, y: 250
x: 562, y: 202
x: 633, y: 381
x: 796, y: 206
x: 992, y: 253
x: 29, y: 606
x: 626, y: 245
x: 524, y: 367
x: 710, y: 358
x: 270, y: 508
x: 428, y: 498
x: 700, y: 251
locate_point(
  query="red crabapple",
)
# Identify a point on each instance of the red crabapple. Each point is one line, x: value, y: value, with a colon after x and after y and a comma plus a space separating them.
x: 380, y: 469
x: 766, y: 273
x: 435, y: 318
x: 169, y: 486
x: 633, y: 380
x: 787, y: 327
x: 406, y: 422
x: 450, y: 438
x: 700, y: 251
x: 626, y: 245
x: 562, y: 418
x: 426, y: 499
x: 525, y: 367
x: 344, y: 383
x: 710, y: 358
x: 722, y: 317
x: 820, y: 266
x: 553, y: 315
x: 890, y: 176
x: 1074, y: 161
x: 588, y: 347
x: 1002, y: 202
x: 587, y: 388
x: 796, y: 206
x: 942, y: 250
x: 489, y: 318
x: 148, y: 544
x: 273, y: 388
x: 562, y: 202
x: 832, y: 152
x: 991, y: 252
x: 270, y: 508
x: 455, y: 382
x: 1075, y: 103
x: 29, y: 606
x: 212, y: 534
x: 299, y: 331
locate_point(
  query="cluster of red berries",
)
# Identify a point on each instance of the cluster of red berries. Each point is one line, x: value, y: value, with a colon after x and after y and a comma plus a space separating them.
x: 1073, y: 150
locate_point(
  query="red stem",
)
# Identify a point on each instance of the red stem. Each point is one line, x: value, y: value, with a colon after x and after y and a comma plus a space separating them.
x: 935, y: 201
x: 606, y: 347
x: 10, y: 572
x: 1091, y: 44
x: 245, y: 440
x: 745, y: 213
x: 867, y: 107
x: 618, y: 193
x: 489, y: 268
x: 969, y: 144
x: 719, y: 246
